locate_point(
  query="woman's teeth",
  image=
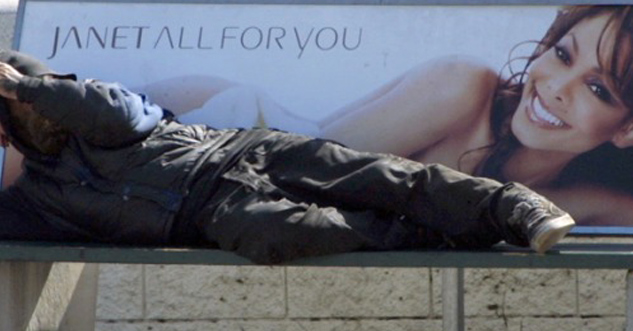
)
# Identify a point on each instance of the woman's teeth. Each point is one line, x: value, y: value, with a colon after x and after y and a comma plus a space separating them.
x: 540, y: 113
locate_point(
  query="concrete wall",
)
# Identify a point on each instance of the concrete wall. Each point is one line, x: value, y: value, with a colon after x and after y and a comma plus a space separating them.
x: 188, y: 298
x: 170, y: 298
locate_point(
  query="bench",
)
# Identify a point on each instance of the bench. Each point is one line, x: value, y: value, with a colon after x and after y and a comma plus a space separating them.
x: 52, y: 286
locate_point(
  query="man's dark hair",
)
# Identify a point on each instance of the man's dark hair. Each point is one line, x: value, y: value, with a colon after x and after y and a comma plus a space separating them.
x: 22, y: 124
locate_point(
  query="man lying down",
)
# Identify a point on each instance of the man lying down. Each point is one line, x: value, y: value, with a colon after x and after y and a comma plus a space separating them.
x: 103, y: 164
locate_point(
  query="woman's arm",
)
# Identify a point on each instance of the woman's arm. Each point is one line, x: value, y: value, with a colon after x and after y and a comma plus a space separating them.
x: 417, y: 109
x: 12, y: 166
x: 594, y: 206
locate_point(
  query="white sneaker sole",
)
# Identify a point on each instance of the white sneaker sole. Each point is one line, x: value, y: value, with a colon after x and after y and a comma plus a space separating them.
x: 551, y: 233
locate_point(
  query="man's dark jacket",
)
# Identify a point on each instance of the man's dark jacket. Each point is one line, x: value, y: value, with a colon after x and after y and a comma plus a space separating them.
x: 126, y: 171
x: 131, y: 174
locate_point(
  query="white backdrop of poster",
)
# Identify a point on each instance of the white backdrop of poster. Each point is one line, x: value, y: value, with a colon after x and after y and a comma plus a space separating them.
x: 281, y: 65
x: 310, y: 59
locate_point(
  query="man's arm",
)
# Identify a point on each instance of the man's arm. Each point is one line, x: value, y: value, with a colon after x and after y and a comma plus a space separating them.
x: 105, y: 114
x: 20, y: 221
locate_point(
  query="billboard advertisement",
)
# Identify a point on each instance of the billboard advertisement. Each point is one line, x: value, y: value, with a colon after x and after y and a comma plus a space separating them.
x: 477, y: 88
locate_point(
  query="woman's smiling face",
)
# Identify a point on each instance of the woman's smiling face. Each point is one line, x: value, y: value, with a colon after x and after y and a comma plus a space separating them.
x: 569, y: 103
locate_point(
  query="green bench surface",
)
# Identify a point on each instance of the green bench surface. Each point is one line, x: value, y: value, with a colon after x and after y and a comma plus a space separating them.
x: 566, y: 255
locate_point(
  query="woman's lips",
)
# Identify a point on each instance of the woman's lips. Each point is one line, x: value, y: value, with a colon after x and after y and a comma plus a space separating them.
x: 539, y: 114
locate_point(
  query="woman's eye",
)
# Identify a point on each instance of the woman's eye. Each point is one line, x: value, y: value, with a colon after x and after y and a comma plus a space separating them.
x: 601, y: 92
x: 562, y: 54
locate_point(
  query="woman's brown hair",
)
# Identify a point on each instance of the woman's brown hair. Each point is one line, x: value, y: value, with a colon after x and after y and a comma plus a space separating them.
x: 508, y: 93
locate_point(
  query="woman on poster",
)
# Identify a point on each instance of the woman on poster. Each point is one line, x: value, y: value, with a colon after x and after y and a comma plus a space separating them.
x: 563, y: 126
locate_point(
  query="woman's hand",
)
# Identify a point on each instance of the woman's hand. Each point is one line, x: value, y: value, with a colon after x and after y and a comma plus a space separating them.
x: 9, y: 78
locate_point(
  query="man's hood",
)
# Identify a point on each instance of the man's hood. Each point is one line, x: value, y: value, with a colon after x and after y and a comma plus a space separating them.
x: 28, y: 66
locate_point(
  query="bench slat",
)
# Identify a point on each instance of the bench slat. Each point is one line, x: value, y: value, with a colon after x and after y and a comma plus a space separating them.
x: 568, y: 255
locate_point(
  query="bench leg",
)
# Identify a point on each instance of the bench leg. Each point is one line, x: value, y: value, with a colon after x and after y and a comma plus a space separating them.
x: 629, y: 301
x: 21, y: 284
x: 47, y: 296
x: 453, y: 299
x: 80, y: 314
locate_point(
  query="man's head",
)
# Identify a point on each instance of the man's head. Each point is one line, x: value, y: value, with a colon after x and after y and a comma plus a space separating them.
x: 21, y: 124
x: 27, y: 65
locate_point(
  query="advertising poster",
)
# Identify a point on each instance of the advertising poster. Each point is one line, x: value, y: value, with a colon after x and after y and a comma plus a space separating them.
x: 476, y: 88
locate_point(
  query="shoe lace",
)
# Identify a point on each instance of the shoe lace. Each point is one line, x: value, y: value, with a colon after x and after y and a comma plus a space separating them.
x: 529, y: 212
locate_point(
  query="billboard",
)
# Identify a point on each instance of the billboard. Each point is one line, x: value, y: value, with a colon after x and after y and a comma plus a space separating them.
x: 427, y: 82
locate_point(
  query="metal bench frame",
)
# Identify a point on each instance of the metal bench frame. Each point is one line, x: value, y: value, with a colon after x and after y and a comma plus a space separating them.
x: 28, y: 270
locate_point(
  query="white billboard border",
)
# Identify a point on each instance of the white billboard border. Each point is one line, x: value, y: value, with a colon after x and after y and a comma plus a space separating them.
x: 591, y: 231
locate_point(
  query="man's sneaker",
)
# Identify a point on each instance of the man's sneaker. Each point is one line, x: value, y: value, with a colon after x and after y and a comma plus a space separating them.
x: 549, y: 232
x: 544, y: 223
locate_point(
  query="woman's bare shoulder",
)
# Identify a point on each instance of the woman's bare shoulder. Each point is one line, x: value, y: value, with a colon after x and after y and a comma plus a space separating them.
x: 465, y: 80
x: 428, y: 103
x: 463, y: 71
x: 461, y: 63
